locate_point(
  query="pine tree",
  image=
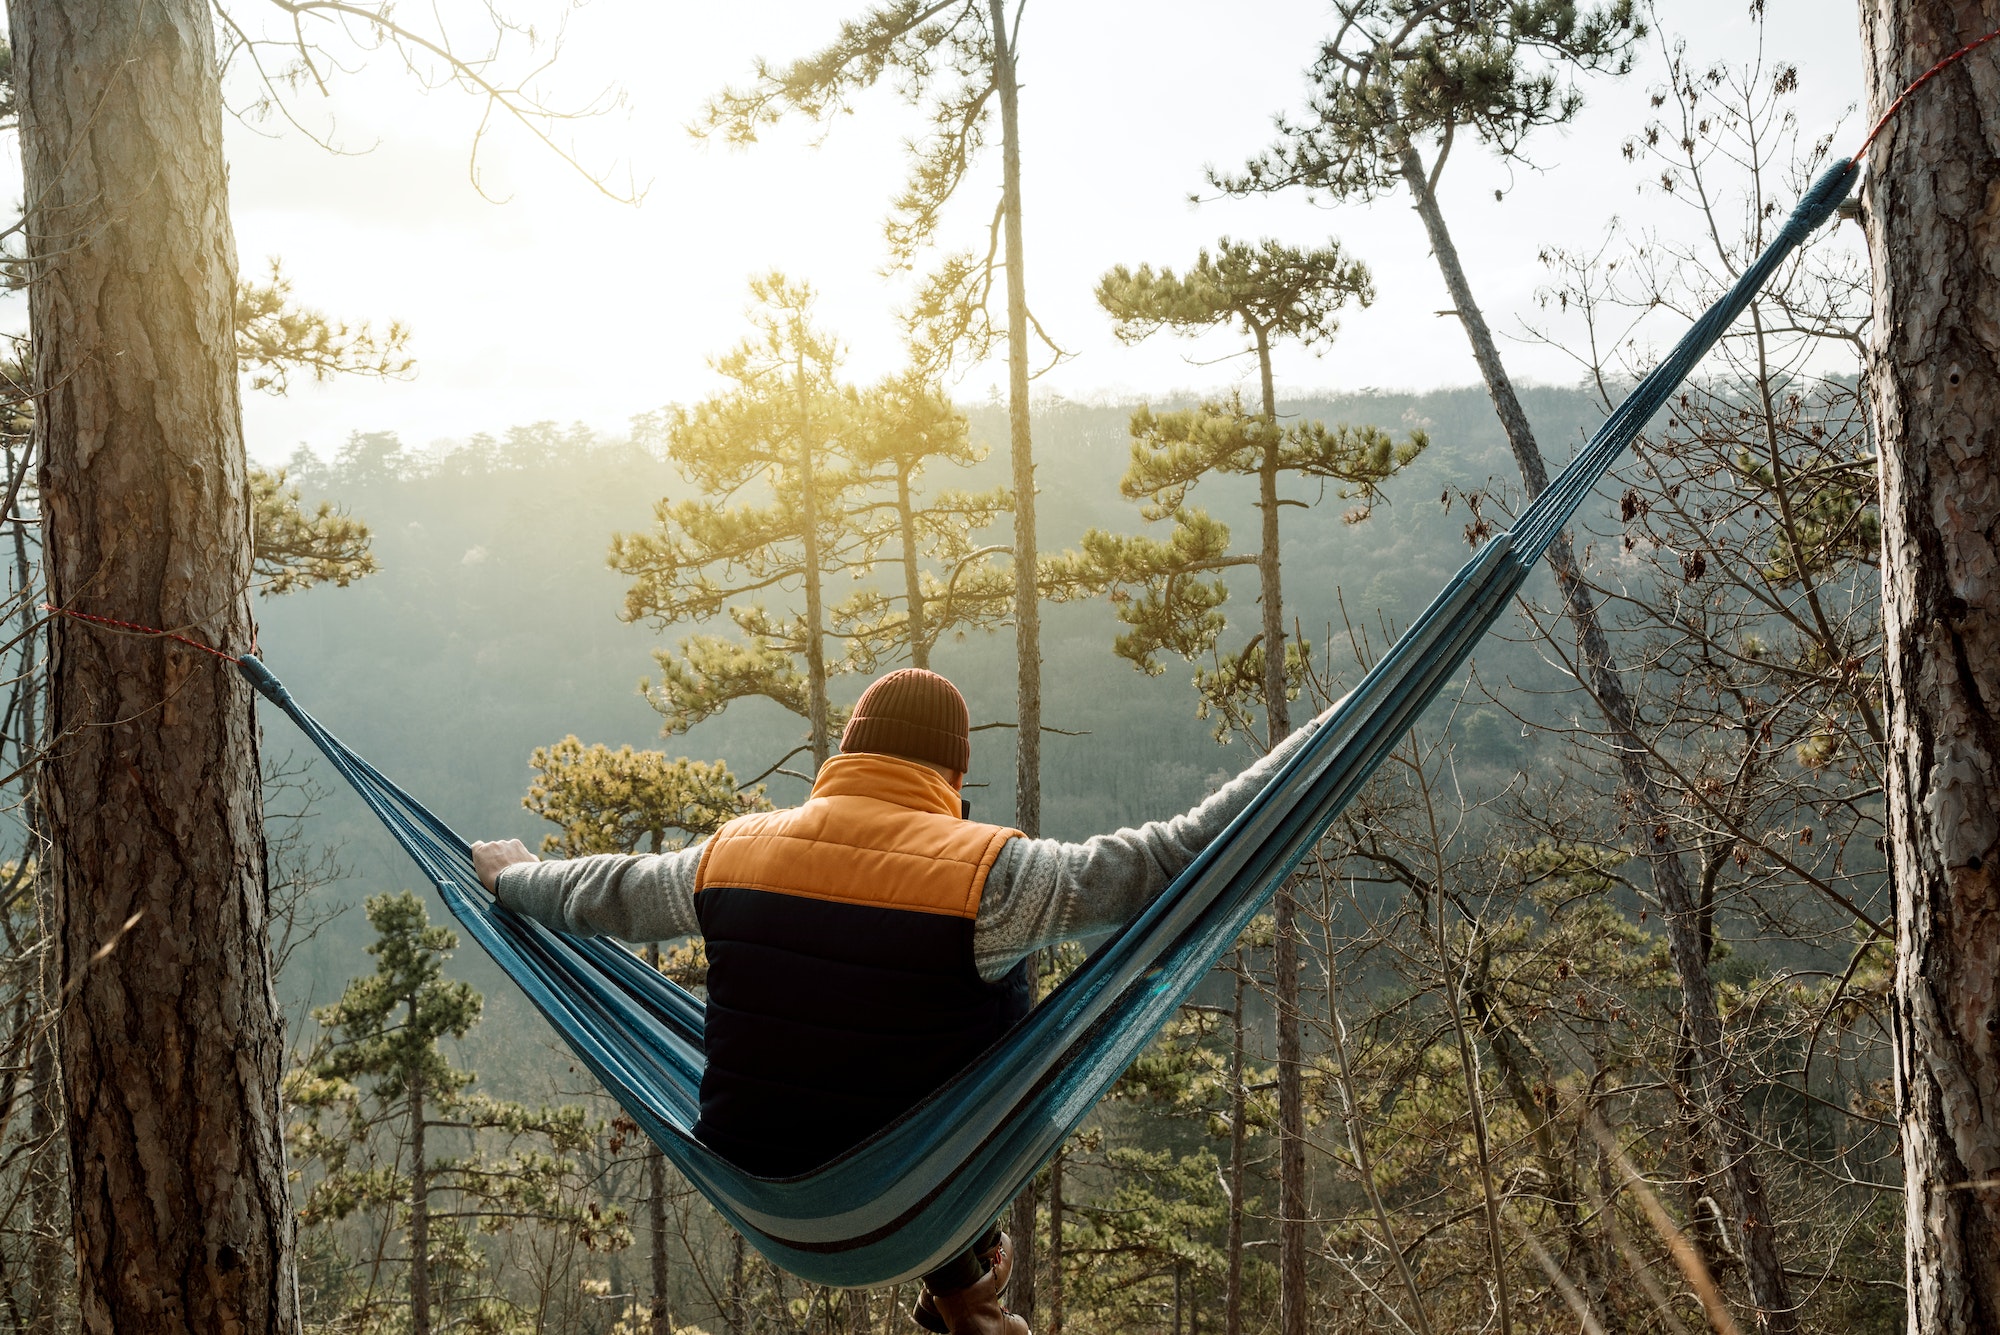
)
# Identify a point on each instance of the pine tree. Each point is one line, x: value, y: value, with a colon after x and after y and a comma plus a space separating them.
x: 1396, y: 73
x: 622, y: 801
x: 906, y: 428
x: 1929, y: 201
x: 378, y: 1100
x: 954, y: 59
x: 628, y: 801
x: 1271, y: 291
x: 774, y: 507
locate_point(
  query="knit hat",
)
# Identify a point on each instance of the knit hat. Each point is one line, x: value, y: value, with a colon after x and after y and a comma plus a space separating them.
x: 914, y: 713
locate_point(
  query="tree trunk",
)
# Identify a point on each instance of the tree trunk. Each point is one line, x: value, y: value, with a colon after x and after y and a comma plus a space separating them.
x: 1027, y: 593
x: 1270, y: 587
x: 913, y: 585
x: 1056, y: 1243
x: 859, y: 1322
x: 1934, y: 229
x: 420, y: 1212
x: 1749, y: 1205
x: 1291, y: 1119
x: 816, y: 711
x: 171, y: 1050
x: 1285, y: 951
x: 1021, y: 1294
x: 734, y: 1295
x: 659, y: 1320
x: 1232, y: 1312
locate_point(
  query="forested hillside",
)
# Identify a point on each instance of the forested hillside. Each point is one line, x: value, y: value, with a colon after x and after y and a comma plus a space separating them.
x: 492, y: 627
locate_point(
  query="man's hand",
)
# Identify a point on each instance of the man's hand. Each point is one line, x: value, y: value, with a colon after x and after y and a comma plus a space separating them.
x: 488, y: 859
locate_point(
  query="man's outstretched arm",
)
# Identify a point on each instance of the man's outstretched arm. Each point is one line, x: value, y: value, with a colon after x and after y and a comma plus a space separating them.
x: 649, y: 897
x: 1041, y: 891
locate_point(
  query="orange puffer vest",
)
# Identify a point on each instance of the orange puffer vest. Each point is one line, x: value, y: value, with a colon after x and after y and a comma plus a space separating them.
x: 841, y: 984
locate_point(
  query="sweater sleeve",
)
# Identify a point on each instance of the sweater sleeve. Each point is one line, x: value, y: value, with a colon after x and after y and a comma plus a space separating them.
x: 647, y: 897
x: 1041, y: 892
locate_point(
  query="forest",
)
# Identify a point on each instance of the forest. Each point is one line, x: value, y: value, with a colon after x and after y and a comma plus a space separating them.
x: 1645, y: 985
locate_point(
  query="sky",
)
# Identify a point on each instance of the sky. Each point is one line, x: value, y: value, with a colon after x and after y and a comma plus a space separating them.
x: 560, y: 303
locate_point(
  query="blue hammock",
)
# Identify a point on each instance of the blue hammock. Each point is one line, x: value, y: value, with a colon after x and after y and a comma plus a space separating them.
x: 917, y: 1193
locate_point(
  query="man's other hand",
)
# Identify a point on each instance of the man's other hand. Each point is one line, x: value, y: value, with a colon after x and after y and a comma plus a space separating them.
x: 489, y: 859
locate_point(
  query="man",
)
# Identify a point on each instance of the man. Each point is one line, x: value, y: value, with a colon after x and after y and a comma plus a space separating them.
x: 863, y: 948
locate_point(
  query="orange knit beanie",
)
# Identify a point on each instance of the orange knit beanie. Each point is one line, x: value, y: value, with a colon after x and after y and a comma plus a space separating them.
x: 914, y: 713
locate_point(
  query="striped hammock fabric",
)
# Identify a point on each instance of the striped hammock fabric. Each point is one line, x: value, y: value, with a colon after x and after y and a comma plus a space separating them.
x: 918, y: 1192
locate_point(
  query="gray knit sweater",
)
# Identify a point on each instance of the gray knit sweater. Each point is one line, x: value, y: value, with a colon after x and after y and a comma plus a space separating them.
x: 1039, y: 892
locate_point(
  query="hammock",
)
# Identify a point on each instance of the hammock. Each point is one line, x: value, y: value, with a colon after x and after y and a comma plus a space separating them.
x: 921, y: 1190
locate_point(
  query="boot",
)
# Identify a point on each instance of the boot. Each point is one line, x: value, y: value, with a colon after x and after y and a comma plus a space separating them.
x: 975, y: 1309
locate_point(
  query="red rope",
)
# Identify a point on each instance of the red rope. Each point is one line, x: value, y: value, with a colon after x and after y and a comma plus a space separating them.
x: 137, y: 629
x: 1923, y: 79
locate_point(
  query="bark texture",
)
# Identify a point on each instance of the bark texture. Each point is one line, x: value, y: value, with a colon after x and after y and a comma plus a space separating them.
x: 171, y: 1045
x: 816, y: 707
x: 1027, y: 591
x: 659, y: 1321
x: 1933, y: 218
x: 1750, y: 1207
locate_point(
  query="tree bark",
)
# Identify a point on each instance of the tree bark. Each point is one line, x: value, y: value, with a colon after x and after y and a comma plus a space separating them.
x: 1285, y: 911
x: 816, y: 709
x: 420, y: 1211
x: 1232, y: 1312
x: 659, y: 1320
x: 1021, y: 1232
x: 735, y: 1296
x: 1270, y: 585
x: 1027, y: 592
x: 1933, y: 220
x: 1749, y: 1204
x: 1291, y: 1119
x: 913, y: 584
x: 1056, y: 1243
x: 171, y: 1050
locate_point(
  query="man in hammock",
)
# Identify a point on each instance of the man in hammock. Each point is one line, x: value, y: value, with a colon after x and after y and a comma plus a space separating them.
x: 865, y: 947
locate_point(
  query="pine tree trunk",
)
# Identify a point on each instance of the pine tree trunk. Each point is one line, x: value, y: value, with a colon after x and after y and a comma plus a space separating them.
x: 659, y: 1321
x: 420, y: 1213
x: 1749, y: 1205
x: 1933, y: 221
x: 1291, y: 1119
x: 171, y: 1049
x: 816, y: 709
x: 1232, y: 1318
x: 1285, y: 952
x: 1270, y: 587
x: 1021, y: 1225
x: 1056, y: 1244
x: 1021, y: 1295
x: 734, y: 1295
x: 1027, y: 593
x: 913, y: 585
x: 859, y: 1322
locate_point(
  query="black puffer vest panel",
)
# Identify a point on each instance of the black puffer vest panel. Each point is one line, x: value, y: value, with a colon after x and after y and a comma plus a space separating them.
x: 841, y: 984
